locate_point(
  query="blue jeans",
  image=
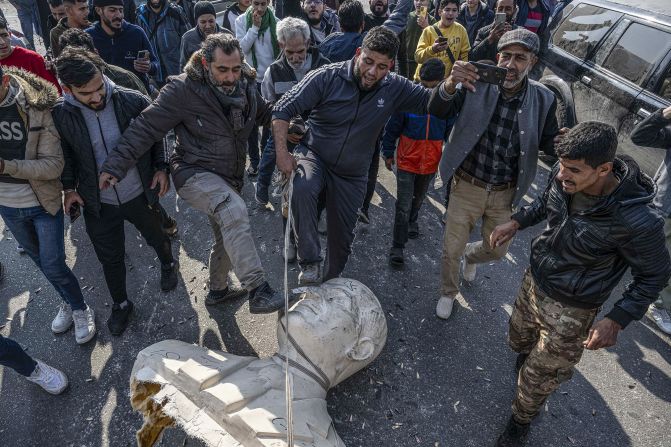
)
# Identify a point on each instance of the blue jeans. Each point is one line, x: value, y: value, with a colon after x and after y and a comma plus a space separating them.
x: 13, y: 356
x: 41, y: 236
x: 266, y: 169
x: 29, y: 20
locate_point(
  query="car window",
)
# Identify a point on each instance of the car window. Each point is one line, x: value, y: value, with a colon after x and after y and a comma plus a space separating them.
x: 665, y: 87
x: 584, y: 28
x: 637, y: 52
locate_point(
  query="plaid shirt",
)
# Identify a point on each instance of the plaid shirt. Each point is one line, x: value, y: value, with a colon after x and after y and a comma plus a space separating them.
x: 494, y: 158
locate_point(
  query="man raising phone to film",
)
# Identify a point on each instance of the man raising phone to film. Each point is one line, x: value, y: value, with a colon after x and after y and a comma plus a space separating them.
x: 493, y: 151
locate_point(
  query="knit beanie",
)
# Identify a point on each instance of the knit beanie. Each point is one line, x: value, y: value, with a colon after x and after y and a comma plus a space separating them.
x: 204, y: 7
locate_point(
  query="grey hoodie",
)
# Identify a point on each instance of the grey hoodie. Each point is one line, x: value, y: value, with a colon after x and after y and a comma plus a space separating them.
x: 104, y: 132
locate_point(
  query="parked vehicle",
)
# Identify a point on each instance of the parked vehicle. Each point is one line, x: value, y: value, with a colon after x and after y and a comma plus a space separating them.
x: 609, y: 61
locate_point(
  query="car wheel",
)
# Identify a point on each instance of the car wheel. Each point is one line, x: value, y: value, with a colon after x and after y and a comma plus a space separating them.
x: 564, y: 115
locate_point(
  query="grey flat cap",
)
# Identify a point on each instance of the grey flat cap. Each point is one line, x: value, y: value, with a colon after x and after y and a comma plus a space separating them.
x: 520, y: 36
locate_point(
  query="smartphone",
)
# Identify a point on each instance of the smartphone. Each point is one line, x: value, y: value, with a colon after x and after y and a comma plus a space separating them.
x: 423, y: 11
x: 441, y: 39
x: 143, y: 54
x: 499, y: 18
x: 491, y: 74
x: 74, y: 212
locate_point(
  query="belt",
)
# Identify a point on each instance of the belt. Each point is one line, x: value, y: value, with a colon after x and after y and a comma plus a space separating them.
x: 463, y: 175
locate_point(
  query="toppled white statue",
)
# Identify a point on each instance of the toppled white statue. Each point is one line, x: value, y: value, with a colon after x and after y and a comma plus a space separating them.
x: 225, y: 400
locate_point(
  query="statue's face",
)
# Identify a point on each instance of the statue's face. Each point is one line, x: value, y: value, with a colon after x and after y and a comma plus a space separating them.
x: 327, y: 325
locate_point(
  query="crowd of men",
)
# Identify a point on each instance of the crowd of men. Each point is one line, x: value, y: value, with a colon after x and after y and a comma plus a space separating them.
x: 131, y: 101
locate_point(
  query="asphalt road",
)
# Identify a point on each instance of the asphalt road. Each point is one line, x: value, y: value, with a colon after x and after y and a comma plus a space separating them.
x: 437, y: 383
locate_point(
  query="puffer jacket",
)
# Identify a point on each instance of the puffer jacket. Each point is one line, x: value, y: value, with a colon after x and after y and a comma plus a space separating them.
x: 205, y: 138
x: 80, y: 172
x: 165, y: 34
x: 420, y: 141
x: 579, y: 258
x: 43, y: 161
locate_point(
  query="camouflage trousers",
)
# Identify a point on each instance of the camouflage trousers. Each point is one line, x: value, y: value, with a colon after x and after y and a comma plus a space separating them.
x: 552, y: 334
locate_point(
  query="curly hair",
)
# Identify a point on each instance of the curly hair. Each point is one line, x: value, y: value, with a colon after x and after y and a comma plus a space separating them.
x: 381, y: 40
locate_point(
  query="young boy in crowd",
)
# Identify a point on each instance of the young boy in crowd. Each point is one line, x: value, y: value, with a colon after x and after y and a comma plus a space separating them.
x: 420, y: 141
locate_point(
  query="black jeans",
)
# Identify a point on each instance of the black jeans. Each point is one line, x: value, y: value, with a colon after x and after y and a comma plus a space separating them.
x: 109, y: 239
x: 410, y: 193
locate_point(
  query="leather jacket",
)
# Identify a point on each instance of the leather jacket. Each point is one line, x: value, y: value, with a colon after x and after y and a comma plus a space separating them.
x: 580, y: 257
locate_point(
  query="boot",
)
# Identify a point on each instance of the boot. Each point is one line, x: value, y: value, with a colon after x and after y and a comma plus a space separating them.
x: 514, y: 435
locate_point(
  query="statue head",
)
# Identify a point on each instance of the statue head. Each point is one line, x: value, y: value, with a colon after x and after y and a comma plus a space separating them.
x: 340, y: 326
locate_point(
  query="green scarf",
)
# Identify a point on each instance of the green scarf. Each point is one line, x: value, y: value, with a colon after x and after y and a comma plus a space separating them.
x: 267, y: 21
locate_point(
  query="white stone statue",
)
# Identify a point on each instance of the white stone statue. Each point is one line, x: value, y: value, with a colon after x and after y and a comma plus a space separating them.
x: 225, y: 400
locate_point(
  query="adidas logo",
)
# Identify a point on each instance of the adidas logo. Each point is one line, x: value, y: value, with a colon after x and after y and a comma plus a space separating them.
x: 380, y: 102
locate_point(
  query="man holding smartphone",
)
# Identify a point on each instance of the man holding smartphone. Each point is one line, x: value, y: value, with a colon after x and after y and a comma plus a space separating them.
x: 90, y: 120
x: 493, y: 150
x: 121, y: 43
x: 446, y: 40
x: 484, y: 47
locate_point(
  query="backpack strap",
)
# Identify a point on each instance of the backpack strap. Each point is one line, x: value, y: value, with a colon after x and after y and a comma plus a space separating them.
x: 449, y: 51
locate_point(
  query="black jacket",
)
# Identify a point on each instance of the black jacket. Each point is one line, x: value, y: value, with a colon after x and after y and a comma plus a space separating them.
x: 579, y: 258
x: 80, y: 171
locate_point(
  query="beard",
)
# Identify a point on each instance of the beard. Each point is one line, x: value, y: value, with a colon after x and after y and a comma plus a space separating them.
x: 226, y: 87
x: 520, y: 78
x: 379, y: 12
x: 359, y: 79
x: 157, y: 5
x: 110, y: 24
x: 314, y: 21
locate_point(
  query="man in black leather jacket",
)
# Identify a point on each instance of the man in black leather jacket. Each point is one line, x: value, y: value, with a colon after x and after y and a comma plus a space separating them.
x: 600, y: 222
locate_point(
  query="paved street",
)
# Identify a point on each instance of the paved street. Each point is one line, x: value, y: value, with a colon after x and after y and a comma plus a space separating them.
x: 436, y: 382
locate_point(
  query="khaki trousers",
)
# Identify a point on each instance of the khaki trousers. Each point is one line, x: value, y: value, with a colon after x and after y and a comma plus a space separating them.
x: 468, y: 204
x: 233, y: 242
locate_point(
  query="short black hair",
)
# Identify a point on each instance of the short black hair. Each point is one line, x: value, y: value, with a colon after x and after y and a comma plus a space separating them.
x: 351, y: 16
x: 75, y: 37
x: 3, y: 23
x: 444, y: 3
x: 592, y: 141
x: 381, y: 40
x: 75, y: 67
x: 72, y: 2
x: 432, y: 70
x: 55, y: 3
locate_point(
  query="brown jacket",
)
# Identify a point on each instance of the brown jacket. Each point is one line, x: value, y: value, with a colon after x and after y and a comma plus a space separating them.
x: 206, y: 140
x: 43, y: 162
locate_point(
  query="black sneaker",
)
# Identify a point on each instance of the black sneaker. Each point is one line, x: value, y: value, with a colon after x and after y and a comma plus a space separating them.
x: 261, y: 196
x: 169, y: 276
x: 265, y: 300
x: 413, y: 230
x: 514, y: 435
x: 521, y: 358
x: 215, y: 297
x: 118, y: 320
x: 396, y: 257
x: 170, y: 227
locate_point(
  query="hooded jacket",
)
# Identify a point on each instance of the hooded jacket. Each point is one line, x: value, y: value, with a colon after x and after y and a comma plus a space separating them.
x: 164, y: 30
x: 43, y: 161
x: 483, y: 17
x: 81, y: 171
x: 328, y: 24
x: 206, y: 138
x: 579, y: 258
x: 339, y: 46
x: 121, y: 50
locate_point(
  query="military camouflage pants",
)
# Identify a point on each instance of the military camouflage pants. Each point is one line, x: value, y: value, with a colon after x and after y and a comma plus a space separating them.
x: 552, y: 334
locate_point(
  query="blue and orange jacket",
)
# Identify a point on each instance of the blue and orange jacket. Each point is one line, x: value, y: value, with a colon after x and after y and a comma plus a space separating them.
x: 420, y: 141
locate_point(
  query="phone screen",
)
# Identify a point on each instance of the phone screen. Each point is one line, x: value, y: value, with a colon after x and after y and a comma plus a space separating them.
x: 143, y: 54
x: 500, y: 17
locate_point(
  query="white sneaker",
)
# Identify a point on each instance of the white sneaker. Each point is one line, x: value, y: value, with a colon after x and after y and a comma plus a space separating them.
x: 661, y: 317
x: 309, y: 274
x: 63, y: 319
x: 444, y: 306
x: 85, y: 325
x: 49, y: 378
x: 468, y: 271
